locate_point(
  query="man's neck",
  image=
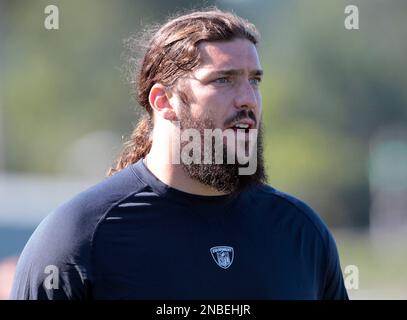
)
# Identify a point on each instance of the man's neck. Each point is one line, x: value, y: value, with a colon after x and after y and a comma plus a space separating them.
x: 174, y: 176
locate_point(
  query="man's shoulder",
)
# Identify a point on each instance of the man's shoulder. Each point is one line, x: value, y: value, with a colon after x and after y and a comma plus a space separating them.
x: 64, y: 239
x: 109, y: 190
x: 80, y: 215
x: 69, y: 229
x: 292, y: 207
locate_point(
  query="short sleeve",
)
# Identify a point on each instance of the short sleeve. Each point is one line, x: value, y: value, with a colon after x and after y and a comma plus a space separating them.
x: 54, y: 263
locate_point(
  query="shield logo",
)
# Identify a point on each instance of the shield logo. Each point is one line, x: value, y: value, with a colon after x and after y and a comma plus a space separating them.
x: 223, y: 256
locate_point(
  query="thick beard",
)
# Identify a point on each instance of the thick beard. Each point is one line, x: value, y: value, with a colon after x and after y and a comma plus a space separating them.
x: 223, y: 177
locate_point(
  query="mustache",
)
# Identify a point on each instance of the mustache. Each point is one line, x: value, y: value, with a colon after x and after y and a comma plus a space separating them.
x: 243, y: 114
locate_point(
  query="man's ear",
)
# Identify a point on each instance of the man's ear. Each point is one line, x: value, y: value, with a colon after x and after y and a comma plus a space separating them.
x: 159, y: 101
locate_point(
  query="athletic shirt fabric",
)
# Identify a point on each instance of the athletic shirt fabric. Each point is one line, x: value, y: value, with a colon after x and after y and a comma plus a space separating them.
x: 133, y: 237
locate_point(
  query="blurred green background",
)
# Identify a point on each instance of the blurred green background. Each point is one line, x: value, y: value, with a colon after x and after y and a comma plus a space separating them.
x: 335, y: 111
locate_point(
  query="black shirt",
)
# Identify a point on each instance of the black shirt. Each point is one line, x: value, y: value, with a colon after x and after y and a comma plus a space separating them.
x: 133, y: 237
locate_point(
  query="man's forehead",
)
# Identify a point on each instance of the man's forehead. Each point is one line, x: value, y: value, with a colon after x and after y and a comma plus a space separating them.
x: 233, y: 54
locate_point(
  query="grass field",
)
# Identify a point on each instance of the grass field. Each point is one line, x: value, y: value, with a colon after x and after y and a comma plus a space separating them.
x: 382, y: 263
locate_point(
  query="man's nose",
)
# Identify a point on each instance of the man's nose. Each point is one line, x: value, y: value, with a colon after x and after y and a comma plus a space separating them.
x: 246, y: 96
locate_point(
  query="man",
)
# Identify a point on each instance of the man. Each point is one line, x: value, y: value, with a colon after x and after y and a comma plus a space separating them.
x: 165, y: 227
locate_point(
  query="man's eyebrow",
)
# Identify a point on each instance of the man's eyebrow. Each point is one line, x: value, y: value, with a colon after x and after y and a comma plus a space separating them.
x: 234, y: 72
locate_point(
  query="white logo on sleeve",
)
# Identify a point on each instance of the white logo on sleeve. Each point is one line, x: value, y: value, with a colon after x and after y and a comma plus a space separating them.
x: 223, y: 256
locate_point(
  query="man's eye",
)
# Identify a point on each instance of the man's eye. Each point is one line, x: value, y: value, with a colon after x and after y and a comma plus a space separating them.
x: 255, y: 81
x: 222, y: 80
